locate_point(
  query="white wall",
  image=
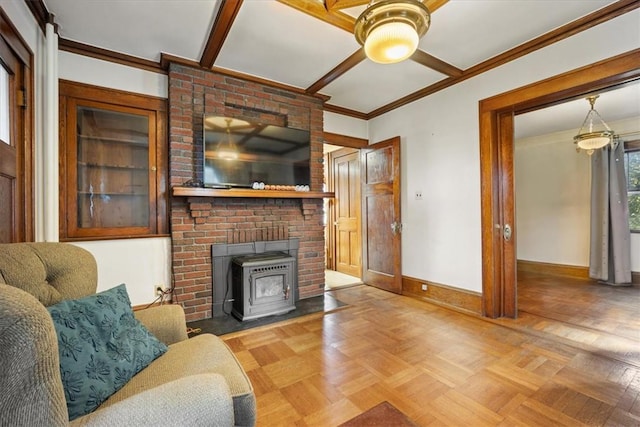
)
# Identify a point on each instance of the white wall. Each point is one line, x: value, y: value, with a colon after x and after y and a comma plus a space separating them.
x: 344, y: 125
x: 142, y: 264
x: 553, y: 185
x: 440, y: 153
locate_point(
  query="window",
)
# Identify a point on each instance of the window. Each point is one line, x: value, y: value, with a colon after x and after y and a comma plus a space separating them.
x: 5, y: 133
x: 632, y: 171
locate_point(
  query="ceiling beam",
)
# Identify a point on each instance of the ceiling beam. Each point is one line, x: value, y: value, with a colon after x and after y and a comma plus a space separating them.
x: 333, y: 5
x: 589, y: 21
x: 317, y: 10
x: 353, y: 60
x: 430, y: 61
x: 434, y: 5
x: 224, y: 20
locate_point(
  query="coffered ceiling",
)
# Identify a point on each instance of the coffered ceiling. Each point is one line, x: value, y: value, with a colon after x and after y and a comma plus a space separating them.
x: 309, y: 46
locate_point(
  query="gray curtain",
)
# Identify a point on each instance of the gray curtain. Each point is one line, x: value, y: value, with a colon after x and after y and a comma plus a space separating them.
x: 610, y: 254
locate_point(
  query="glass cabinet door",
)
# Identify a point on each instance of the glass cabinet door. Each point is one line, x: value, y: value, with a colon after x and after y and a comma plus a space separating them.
x: 113, y: 170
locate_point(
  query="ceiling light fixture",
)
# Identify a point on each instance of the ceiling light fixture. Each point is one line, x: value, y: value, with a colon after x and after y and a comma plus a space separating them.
x: 590, y: 139
x: 390, y: 30
x: 227, y: 151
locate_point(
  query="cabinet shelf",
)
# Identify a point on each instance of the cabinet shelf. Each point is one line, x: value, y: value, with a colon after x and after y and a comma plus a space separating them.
x: 108, y: 166
x: 111, y: 193
x: 133, y: 142
x: 249, y: 193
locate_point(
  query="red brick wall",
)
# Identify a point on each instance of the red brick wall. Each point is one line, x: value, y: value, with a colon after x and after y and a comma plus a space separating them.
x: 197, y: 223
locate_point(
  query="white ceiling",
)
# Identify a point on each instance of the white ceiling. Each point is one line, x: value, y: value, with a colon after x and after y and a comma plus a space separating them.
x: 273, y: 41
x: 614, y: 105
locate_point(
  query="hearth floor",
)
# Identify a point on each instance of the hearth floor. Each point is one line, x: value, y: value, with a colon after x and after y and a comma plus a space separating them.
x: 226, y: 324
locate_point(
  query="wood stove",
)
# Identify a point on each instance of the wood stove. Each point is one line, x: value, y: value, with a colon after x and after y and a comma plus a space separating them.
x: 263, y: 284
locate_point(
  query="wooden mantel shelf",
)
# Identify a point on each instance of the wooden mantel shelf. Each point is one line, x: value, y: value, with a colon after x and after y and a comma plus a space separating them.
x: 249, y: 193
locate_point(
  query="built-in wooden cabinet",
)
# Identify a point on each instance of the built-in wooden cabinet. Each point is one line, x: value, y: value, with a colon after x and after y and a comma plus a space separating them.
x: 113, y: 164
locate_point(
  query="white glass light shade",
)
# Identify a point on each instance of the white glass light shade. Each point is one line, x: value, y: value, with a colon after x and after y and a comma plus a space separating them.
x: 593, y: 141
x: 390, y: 30
x: 391, y: 42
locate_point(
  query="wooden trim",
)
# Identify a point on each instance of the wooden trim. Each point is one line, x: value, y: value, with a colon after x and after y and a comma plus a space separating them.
x: 430, y: 61
x: 357, y: 57
x: 12, y: 37
x: 108, y: 55
x: 573, y: 271
x: 109, y: 95
x: 614, y: 71
x: 598, y: 17
x: 224, y: 20
x: 40, y: 13
x: 266, y: 82
x: 166, y: 59
x: 249, y: 193
x: 443, y: 295
x: 344, y: 140
x: 345, y: 111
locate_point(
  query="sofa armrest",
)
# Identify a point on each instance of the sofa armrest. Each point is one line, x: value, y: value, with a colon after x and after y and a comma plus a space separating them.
x: 166, y: 322
x: 196, y: 400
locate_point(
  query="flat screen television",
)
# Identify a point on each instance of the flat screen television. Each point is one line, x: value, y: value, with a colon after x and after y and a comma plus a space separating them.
x: 238, y: 153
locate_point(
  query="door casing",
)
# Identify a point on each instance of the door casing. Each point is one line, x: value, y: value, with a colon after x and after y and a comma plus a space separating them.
x: 499, y: 284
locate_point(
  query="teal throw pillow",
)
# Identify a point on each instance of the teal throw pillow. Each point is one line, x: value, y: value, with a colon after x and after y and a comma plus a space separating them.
x: 101, y: 345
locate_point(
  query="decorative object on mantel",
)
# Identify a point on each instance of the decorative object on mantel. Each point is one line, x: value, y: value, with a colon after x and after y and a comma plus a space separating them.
x: 390, y: 30
x: 180, y: 191
x: 263, y: 186
x: 589, y: 139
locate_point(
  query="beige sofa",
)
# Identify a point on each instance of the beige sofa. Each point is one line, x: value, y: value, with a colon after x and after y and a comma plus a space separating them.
x: 198, y: 381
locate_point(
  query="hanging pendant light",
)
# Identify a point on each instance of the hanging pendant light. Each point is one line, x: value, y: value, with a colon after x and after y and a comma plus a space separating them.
x: 390, y: 30
x: 228, y: 150
x: 588, y: 138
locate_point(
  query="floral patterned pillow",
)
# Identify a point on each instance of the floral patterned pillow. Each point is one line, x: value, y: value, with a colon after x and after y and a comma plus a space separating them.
x: 101, y: 346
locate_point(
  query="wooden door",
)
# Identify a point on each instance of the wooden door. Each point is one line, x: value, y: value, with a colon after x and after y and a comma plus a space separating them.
x: 14, y: 178
x: 381, y: 229
x: 346, y: 178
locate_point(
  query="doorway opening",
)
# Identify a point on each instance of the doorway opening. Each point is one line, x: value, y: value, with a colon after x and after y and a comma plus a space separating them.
x: 496, y: 153
x: 343, y: 242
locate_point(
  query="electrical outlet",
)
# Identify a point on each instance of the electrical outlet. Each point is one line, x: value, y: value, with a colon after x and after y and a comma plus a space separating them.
x: 419, y: 195
x: 424, y: 287
x: 159, y: 291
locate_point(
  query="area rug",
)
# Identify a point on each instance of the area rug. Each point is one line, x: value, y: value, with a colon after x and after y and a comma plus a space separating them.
x: 226, y: 324
x: 383, y: 414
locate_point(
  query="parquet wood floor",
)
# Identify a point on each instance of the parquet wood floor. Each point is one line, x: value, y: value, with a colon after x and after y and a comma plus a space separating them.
x: 444, y: 368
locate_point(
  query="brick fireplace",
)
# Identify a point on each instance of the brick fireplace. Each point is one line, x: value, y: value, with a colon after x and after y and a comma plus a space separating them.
x: 197, y: 223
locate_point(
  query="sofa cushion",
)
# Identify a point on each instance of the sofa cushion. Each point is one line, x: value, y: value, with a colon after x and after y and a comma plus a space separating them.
x: 201, y: 354
x: 101, y: 347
